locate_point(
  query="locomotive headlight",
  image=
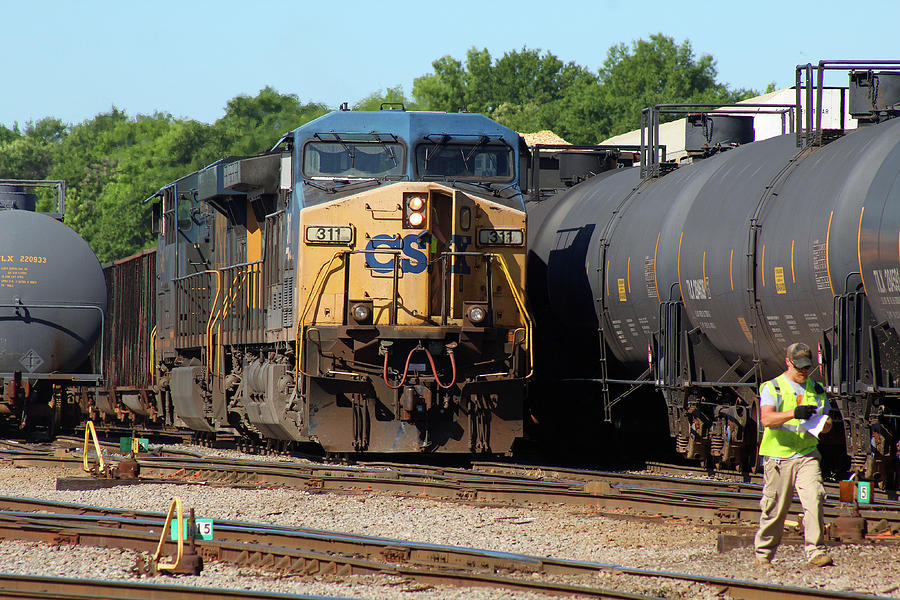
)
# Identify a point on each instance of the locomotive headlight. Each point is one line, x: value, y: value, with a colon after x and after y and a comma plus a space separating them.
x: 415, y: 206
x: 477, y: 315
x: 362, y: 313
x: 416, y: 219
x: 416, y: 203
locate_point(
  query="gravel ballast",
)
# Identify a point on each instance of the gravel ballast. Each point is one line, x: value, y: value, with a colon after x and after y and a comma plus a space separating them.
x: 558, y: 531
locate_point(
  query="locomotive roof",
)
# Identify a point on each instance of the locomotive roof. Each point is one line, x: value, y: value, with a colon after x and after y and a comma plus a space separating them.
x: 407, y: 125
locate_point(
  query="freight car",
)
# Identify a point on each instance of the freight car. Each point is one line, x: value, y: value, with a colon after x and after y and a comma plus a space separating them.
x: 52, y: 306
x: 690, y: 279
x: 359, y: 286
x: 127, y: 392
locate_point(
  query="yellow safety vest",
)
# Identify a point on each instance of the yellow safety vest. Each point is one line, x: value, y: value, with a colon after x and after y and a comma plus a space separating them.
x: 788, y: 439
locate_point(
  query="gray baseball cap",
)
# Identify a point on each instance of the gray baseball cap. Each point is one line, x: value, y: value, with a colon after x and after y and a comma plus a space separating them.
x: 800, y: 355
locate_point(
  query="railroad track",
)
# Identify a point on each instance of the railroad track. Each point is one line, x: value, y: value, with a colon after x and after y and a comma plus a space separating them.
x: 721, y: 503
x: 35, y: 587
x: 312, y: 552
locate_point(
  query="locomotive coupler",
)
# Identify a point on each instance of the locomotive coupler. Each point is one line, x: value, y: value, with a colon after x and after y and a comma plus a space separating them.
x: 415, y: 402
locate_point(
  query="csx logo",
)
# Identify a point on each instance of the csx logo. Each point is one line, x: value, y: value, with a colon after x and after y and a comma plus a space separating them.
x: 414, y: 247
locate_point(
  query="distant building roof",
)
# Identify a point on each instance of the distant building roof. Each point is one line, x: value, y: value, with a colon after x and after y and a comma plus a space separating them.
x: 542, y: 137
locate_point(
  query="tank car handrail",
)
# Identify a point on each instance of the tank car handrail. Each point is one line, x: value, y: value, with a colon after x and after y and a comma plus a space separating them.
x: 20, y: 304
x: 814, y: 120
x: 650, y: 146
x: 59, y: 184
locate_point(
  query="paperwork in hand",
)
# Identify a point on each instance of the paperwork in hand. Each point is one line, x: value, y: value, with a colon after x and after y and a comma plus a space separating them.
x: 814, y: 424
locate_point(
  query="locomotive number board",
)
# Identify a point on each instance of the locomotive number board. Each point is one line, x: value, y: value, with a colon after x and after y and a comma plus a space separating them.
x: 329, y: 234
x: 501, y: 237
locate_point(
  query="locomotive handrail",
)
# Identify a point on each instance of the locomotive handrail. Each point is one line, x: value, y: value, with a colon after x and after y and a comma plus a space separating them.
x: 20, y: 305
x: 520, y: 303
x: 226, y: 305
x: 212, y: 311
x: 523, y: 310
x: 316, y: 292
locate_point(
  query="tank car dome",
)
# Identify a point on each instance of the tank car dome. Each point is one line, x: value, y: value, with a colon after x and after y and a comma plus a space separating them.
x: 52, y: 292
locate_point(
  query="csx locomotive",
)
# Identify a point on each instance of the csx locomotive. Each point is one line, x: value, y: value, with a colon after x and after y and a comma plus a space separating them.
x: 692, y: 279
x: 358, y: 286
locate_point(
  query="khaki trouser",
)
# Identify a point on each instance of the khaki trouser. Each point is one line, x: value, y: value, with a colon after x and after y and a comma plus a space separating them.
x: 782, y: 477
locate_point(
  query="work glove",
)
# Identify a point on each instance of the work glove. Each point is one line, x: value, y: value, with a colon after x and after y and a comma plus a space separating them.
x: 804, y: 411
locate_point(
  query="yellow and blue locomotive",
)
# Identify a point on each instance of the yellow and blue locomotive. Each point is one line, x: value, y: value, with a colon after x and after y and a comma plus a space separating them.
x: 358, y: 286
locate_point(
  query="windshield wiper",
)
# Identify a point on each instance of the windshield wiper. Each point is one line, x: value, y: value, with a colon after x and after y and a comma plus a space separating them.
x: 481, y: 142
x: 484, y: 186
x: 342, y: 183
x: 324, y: 188
x: 340, y: 141
x: 437, y: 146
x: 388, y: 149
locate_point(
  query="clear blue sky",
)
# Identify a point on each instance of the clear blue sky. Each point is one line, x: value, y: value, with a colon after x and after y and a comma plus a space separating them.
x: 74, y: 59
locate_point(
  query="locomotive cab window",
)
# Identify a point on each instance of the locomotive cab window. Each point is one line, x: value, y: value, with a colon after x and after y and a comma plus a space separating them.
x: 353, y: 159
x: 184, y: 214
x: 476, y: 160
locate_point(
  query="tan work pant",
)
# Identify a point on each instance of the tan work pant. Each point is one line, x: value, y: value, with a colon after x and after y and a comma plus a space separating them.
x: 782, y: 477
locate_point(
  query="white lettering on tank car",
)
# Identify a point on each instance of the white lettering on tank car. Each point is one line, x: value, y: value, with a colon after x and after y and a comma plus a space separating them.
x: 696, y: 288
x: 887, y: 280
x: 645, y: 324
x: 820, y: 266
x: 649, y: 279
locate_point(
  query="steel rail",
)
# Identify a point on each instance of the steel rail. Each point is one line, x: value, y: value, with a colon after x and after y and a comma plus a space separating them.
x: 672, y: 497
x: 40, y: 587
x: 393, y: 558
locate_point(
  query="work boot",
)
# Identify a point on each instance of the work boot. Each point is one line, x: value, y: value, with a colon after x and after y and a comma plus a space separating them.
x: 764, y: 563
x: 820, y: 559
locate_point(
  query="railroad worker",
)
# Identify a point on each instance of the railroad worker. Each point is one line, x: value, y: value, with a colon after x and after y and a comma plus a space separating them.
x: 788, y: 403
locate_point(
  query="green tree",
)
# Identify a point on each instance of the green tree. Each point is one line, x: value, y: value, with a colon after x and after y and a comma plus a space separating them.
x: 30, y: 155
x: 110, y: 165
x: 25, y: 158
x: 524, y: 85
x: 655, y: 71
x: 253, y: 124
x: 528, y: 90
x: 9, y: 134
x: 113, y: 162
x: 392, y: 94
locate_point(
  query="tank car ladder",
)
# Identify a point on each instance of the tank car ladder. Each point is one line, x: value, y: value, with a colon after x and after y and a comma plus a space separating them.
x: 861, y: 365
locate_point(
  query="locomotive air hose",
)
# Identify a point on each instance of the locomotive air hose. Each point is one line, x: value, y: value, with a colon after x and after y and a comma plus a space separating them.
x: 406, y: 369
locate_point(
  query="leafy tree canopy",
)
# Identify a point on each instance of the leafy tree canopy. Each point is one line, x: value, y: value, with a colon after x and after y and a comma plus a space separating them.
x: 391, y: 95
x: 657, y: 71
x: 531, y: 90
x: 112, y: 162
